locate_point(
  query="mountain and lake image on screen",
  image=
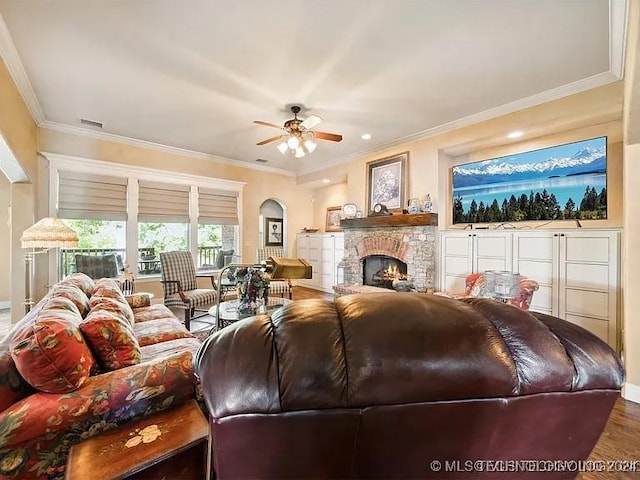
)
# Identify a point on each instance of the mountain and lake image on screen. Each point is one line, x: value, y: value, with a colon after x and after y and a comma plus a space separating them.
x: 563, y: 182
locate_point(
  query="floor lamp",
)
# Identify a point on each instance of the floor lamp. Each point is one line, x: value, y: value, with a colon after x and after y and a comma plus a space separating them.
x: 38, y: 238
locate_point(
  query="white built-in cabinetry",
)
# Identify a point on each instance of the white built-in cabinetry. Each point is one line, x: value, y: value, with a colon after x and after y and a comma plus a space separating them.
x: 323, y: 251
x: 577, y: 270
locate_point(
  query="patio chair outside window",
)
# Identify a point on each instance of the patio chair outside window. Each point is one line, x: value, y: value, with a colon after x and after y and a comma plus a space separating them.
x: 98, y: 266
x: 180, y: 285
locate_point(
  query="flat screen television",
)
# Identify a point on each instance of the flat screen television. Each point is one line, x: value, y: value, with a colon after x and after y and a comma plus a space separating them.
x: 563, y: 182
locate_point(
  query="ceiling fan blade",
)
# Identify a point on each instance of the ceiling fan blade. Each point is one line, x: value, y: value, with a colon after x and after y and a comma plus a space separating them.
x: 269, y: 140
x: 327, y: 136
x: 311, y: 122
x: 267, y: 124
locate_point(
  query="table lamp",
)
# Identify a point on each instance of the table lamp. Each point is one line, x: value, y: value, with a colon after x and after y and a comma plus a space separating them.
x: 45, y: 234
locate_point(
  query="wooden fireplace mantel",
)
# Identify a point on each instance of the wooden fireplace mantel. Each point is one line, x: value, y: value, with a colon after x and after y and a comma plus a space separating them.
x: 405, y: 220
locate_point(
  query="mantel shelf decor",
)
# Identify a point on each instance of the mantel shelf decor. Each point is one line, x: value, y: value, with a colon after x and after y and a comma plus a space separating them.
x: 407, y: 220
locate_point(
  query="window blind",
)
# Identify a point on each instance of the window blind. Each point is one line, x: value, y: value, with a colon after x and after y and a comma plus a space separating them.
x: 218, y: 207
x: 91, y: 197
x: 163, y: 202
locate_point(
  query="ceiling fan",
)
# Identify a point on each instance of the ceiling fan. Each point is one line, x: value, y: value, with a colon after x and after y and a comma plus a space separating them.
x: 298, y: 134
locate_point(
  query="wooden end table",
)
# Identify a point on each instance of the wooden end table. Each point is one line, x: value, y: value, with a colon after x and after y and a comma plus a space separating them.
x: 142, y: 446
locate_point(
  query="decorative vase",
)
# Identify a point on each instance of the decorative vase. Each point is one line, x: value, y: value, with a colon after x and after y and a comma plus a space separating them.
x: 253, y: 289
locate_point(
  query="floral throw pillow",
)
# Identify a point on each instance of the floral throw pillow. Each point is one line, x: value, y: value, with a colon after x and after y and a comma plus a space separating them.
x: 61, y: 303
x: 73, y: 293
x: 111, y: 338
x: 82, y: 281
x: 51, y: 355
x: 113, y: 304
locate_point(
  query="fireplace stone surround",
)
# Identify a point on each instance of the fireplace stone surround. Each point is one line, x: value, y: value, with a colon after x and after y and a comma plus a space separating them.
x: 410, y: 240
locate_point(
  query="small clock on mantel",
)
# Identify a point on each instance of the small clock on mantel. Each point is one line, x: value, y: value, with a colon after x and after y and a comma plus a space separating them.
x: 380, y: 209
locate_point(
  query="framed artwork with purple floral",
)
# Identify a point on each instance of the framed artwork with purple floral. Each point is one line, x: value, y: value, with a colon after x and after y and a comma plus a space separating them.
x: 386, y: 182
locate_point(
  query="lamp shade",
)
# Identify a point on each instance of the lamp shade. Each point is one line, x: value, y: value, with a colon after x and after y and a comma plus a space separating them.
x: 49, y: 233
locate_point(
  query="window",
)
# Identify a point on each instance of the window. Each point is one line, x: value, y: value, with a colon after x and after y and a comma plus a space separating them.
x: 138, y: 213
x: 217, y: 228
x: 95, y: 206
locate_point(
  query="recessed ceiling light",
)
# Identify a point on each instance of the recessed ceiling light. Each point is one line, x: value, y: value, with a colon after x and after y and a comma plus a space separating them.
x: 516, y: 134
x: 326, y: 180
x: 366, y: 136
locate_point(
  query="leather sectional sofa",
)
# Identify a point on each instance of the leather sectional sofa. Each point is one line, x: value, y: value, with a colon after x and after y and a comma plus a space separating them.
x: 405, y: 385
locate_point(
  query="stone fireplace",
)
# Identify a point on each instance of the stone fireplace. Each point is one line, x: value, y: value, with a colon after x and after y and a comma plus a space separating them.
x: 410, y: 239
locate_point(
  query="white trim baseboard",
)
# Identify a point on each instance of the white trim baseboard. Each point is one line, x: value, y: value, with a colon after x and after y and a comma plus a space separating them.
x: 5, y: 305
x: 631, y: 392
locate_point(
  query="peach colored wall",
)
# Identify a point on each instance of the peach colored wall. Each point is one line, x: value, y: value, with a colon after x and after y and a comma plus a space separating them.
x: 631, y: 237
x: 330, y: 196
x: 19, y: 131
x: 584, y: 115
x: 5, y: 239
x: 260, y: 185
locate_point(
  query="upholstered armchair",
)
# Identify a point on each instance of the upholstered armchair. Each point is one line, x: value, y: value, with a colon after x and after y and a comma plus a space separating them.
x: 99, y: 266
x: 180, y: 285
x: 277, y: 286
x: 475, y: 287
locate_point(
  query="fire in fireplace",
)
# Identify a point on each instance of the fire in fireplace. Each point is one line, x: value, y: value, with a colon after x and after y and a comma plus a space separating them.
x: 381, y: 271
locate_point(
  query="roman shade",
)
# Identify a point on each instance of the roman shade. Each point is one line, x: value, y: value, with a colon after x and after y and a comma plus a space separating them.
x: 91, y: 197
x: 163, y: 202
x: 217, y: 207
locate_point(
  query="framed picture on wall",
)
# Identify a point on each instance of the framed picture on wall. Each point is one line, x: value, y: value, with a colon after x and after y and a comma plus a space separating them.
x: 273, y: 232
x: 334, y: 214
x: 386, y: 182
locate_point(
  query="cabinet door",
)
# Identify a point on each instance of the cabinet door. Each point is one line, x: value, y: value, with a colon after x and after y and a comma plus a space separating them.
x: 315, y: 245
x: 302, y: 249
x: 535, y: 255
x: 338, y: 255
x: 588, y: 269
x: 456, y: 256
x: 327, y: 261
x: 491, y: 251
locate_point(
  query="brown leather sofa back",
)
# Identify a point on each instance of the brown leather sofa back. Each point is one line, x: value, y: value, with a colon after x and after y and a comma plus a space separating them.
x: 380, y: 386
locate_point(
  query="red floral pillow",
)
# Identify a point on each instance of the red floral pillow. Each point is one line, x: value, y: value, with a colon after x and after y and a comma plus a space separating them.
x: 61, y: 303
x: 106, y: 283
x: 51, y: 355
x: 111, y: 304
x: 73, y: 293
x: 82, y: 281
x: 111, y: 339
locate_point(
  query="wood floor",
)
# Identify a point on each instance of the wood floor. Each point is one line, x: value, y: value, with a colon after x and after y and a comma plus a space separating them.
x: 620, y: 440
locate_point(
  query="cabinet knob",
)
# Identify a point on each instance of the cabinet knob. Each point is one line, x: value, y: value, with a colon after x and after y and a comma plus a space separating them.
x: 555, y: 234
x: 562, y: 234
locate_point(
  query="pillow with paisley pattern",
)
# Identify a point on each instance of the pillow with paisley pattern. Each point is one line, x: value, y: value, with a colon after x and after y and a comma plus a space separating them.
x: 82, y: 281
x: 111, y: 339
x: 51, y: 354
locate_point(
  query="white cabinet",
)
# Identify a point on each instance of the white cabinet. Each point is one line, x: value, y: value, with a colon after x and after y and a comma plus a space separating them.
x: 577, y: 270
x: 578, y: 273
x: 465, y: 252
x: 323, y: 251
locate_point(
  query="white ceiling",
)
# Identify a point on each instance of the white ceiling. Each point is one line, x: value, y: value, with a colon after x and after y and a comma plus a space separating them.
x: 195, y: 74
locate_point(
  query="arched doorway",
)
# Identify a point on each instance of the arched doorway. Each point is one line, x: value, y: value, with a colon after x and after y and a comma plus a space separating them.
x: 272, y: 224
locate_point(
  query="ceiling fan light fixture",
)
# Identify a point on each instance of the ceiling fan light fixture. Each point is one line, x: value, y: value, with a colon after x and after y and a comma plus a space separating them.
x: 299, y: 152
x: 310, y: 145
x: 283, y: 147
x: 293, y: 142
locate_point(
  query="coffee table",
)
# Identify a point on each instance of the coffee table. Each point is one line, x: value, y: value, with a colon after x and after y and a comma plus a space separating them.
x: 229, y: 310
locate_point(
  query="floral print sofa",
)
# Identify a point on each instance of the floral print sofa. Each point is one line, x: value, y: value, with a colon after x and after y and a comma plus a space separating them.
x: 84, y: 360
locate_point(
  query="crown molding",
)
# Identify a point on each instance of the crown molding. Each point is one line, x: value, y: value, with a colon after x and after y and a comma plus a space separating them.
x: 16, y: 69
x: 88, y: 165
x: 618, y: 15
x: 521, y: 104
x: 158, y: 147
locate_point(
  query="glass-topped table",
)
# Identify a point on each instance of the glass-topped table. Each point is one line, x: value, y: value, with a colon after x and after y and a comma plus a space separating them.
x: 229, y: 310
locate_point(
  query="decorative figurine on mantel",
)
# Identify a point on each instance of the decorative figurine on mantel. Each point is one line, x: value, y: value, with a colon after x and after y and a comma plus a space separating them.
x: 427, y: 206
x: 414, y: 205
